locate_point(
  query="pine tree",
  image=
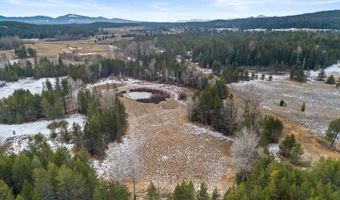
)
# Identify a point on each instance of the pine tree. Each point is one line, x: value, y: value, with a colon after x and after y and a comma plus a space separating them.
x: 27, y: 191
x: 271, y: 129
x: 215, y: 195
x: 203, y: 192
x: 184, y: 191
x: 152, y: 193
x: 322, y: 75
x: 333, y: 131
x: 71, y: 185
x: 303, y: 107
x: 5, y: 191
x: 44, y: 182
x: 21, y: 171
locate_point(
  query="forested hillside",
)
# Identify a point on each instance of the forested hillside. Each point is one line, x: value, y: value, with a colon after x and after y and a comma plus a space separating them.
x: 278, y: 49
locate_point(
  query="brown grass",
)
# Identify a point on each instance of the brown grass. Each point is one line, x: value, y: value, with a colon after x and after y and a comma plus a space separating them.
x: 51, y: 49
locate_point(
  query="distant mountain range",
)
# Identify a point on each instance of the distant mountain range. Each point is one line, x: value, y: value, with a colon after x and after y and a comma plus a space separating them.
x: 322, y: 20
x: 66, y: 19
x: 76, y: 26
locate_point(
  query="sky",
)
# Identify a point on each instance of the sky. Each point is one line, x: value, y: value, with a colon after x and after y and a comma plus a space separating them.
x: 156, y: 10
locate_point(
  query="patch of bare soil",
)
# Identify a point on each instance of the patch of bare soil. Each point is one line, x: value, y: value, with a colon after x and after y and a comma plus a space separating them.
x: 171, y: 149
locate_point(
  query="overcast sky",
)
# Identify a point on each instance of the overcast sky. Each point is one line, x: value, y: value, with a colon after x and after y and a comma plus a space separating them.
x: 155, y: 10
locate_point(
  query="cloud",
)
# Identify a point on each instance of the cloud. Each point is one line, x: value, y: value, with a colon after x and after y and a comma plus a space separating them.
x: 251, y: 3
x: 44, y: 3
x: 160, y: 6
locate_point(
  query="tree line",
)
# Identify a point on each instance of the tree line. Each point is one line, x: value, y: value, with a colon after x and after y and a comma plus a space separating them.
x: 40, y: 68
x: 163, y: 68
x: 276, y: 50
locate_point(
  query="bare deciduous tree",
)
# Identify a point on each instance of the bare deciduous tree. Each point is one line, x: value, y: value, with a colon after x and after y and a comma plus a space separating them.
x: 251, y: 107
x: 244, y: 149
x: 229, y: 113
x: 125, y: 166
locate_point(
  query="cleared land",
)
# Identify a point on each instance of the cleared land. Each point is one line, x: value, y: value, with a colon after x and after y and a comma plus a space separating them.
x: 51, y: 49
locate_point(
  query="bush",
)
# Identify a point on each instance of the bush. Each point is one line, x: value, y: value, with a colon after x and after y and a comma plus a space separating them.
x: 330, y: 80
x: 298, y: 74
x: 182, y: 96
x: 263, y: 76
x: 282, y: 103
x: 303, y: 107
x: 270, y: 78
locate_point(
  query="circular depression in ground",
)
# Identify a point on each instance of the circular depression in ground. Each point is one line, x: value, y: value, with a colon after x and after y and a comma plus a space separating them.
x: 146, y: 95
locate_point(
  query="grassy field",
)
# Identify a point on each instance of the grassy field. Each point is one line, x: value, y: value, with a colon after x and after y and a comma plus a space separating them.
x: 51, y: 49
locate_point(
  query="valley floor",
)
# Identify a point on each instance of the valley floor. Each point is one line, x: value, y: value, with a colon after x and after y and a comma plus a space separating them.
x: 170, y: 149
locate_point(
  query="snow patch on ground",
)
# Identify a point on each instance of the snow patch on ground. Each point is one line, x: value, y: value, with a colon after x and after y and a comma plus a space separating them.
x: 273, y: 149
x: 112, y: 165
x: 331, y: 70
x: 322, y: 101
x: 32, y: 128
x: 201, y: 131
x: 20, y: 143
x: 35, y: 86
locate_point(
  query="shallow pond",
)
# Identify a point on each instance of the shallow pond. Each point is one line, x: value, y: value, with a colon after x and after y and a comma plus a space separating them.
x: 138, y: 95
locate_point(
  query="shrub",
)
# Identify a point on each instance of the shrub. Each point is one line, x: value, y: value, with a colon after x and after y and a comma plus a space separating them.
x: 182, y: 96
x: 282, y: 103
x: 303, y: 107
x: 263, y: 76
x: 298, y: 74
x: 270, y: 78
x: 330, y: 80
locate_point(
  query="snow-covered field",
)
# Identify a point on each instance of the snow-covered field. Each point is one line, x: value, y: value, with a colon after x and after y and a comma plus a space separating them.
x: 33, y: 128
x: 331, y: 70
x: 35, y: 86
x: 322, y: 100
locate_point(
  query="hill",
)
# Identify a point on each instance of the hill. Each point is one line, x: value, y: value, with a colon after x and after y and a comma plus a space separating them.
x: 75, y: 26
x: 66, y: 19
x: 318, y: 20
